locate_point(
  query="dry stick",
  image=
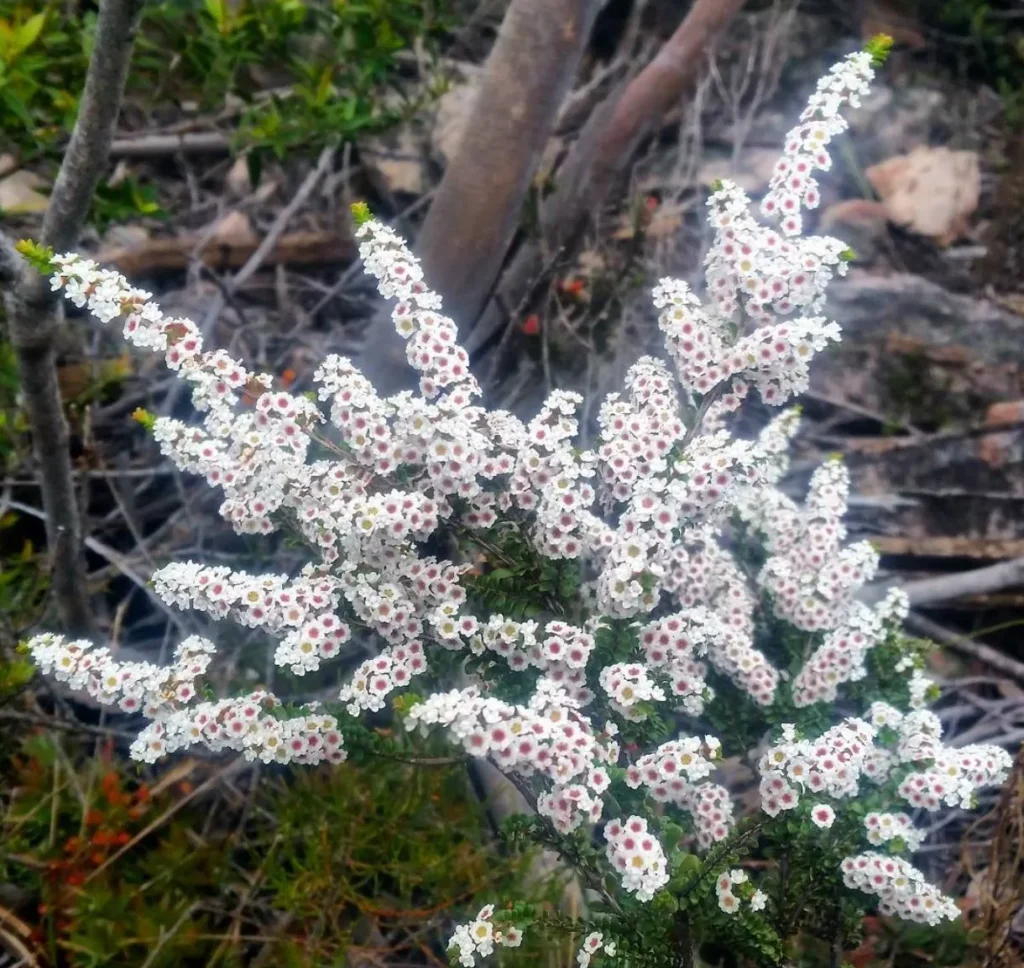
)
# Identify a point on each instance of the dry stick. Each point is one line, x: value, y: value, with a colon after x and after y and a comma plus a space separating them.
x: 122, y: 564
x: 980, y: 581
x: 32, y: 309
x: 474, y: 214
x: 966, y: 646
x: 607, y: 144
x: 157, y: 145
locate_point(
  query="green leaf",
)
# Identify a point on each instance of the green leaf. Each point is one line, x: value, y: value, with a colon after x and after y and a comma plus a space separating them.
x: 40, y: 257
x: 28, y: 33
x: 879, y: 47
x: 218, y: 11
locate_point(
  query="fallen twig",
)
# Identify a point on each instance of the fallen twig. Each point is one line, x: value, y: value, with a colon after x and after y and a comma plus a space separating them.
x: 169, y: 254
x: 980, y: 581
x: 157, y: 145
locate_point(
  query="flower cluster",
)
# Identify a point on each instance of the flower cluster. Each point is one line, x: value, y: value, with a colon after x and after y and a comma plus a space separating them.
x: 673, y: 773
x: 478, y: 938
x: 133, y: 686
x: 884, y: 827
x: 549, y: 737
x: 729, y: 899
x: 792, y: 183
x: 627, y: 687
x: 167, y: 695
x: 902, y: 889
x: 303, y: 609
x: 636, y: 854
x: 830, y: 765
x: 592, y: 944
x: 646, y: 517
x: 951, y: 776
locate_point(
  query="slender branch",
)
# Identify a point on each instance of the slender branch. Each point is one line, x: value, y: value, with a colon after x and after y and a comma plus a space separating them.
x: 966, y: 646
x: 89, y: 148
x: 33, y: 310
x: 835, y: 957
x: 474, y: 214
x: 11, y: 265
x: 705, y: 406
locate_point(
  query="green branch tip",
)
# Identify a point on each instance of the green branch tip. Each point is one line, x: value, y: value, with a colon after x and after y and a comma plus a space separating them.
x: 144, y: 417
x: 39, y: 256
x: 361, y: 213
x: 879, y: 48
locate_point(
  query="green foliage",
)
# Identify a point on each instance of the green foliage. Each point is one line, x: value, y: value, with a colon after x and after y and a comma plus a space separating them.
x: 122, y: 871
x: 41, y: 67
x: 23, y: 578
x: 326, y: 61
x: 879, y: 47
x: 514, y: 580
x: 361, y: 213
x: 39, y: 256
x: 995, y: 46
x: 126, y: 200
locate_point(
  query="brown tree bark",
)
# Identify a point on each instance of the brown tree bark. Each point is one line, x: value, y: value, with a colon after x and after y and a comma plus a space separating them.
x: 33, y: 310
x: 473, y: 217
x: 603, y: 151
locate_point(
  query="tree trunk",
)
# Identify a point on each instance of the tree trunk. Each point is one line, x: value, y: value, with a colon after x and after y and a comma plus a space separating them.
x: 474, y: 215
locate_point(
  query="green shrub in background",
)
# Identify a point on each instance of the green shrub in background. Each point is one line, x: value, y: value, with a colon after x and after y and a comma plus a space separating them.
x: 327, y: 62
x: 301, y: 868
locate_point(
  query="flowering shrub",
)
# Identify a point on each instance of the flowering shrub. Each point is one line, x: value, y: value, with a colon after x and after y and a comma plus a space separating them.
x: 608, y: 604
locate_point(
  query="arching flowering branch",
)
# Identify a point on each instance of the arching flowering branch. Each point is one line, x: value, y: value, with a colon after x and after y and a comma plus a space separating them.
x: 619, y: 609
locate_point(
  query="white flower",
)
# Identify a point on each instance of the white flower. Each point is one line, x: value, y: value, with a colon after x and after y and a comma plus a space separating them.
x: 822, y: 815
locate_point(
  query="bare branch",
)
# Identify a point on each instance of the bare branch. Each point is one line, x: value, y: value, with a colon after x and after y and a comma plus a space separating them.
x: 11, y: 265
x: 89, y: 148
x: 607, y: 145
x: 980, y: 581
x: 32, y: 309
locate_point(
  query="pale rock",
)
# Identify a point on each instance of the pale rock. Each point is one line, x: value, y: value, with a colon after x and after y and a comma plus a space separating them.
x: 890, y: 121
x: 19, y: 194
x: 125, y: 236
x: 235, y: 228
x: 396, y: 161
x: 7, y: 164
x: 237, y: 180
x: 931, y: 191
